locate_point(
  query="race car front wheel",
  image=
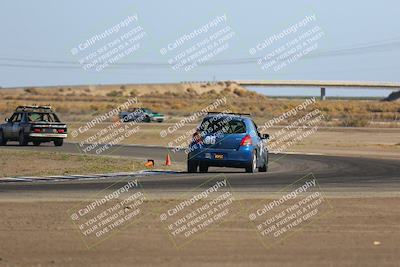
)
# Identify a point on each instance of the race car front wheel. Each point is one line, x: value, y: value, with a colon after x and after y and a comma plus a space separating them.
x: 3, y: 141
x: 264, y: 167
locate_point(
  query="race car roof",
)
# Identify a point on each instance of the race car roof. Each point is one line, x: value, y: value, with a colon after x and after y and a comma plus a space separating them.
x: 34, y: 108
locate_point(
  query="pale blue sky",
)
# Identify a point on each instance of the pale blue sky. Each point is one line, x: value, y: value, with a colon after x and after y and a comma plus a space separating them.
x: 47, y: 30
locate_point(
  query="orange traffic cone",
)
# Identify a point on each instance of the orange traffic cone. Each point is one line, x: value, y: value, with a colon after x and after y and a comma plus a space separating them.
x: 168, y: 160
x: 149, y: 163
x: 116, y: 120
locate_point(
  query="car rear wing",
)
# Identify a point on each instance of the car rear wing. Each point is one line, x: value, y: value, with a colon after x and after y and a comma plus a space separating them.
x: 35, y: 108
x: 229, y: 113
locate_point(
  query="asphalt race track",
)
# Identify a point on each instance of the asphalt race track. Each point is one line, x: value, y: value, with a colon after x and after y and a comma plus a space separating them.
x: 331, y: 172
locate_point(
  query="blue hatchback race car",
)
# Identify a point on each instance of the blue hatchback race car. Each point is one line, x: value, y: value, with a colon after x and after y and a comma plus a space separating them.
x: 228, y: 140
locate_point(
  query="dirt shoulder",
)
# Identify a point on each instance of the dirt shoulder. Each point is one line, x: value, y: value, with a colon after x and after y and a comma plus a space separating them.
x: 358, y: 232
x: 357, y: 142
x: 41, y: 163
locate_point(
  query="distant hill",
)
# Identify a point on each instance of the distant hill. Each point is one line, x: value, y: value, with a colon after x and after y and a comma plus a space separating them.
x: 128, y: 89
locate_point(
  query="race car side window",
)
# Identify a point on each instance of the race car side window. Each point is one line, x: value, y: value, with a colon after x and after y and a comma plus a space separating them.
x: 13, y: 117
x: 19, y: 117
x: 256, y: 128
x: 55, y: 118
x: 16, y: 117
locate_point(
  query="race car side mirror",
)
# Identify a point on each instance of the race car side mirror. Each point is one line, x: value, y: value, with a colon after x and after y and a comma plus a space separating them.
x: 6, y: 119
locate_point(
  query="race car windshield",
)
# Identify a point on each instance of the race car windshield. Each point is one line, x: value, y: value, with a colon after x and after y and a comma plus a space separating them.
x: 42, y: 117
x: 223, y: 126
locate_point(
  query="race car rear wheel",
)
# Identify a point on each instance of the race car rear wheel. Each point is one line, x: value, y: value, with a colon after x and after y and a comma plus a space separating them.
x: 36, y: 143
x: 203, y: 167
x: 192, y: 166
x: 3, y: 141
x: 23, y: 141
x: 58, y: 142
x: 252, y: 167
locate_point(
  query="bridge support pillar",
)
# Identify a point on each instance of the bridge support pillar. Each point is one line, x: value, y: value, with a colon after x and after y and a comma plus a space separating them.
x: 323, y: 93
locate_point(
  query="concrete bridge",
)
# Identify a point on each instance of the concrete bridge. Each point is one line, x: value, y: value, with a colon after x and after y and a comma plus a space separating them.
x: 322, y: 84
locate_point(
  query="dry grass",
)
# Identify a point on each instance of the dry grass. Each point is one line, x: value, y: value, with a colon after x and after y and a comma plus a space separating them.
x: 177, y: 100
x: 55, y: 163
